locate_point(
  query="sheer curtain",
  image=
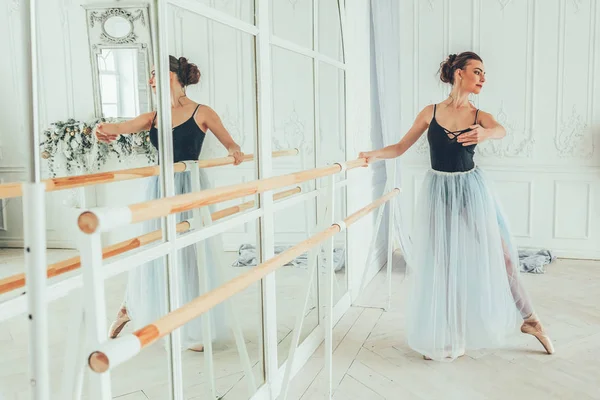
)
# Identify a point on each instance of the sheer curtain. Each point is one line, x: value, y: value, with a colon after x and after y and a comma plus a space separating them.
x: 386, y: 36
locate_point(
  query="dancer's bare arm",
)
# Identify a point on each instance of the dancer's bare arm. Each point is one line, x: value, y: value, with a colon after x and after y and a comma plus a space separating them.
x: 109, y: 132
x: 414, y: 133
x: 486, y: 128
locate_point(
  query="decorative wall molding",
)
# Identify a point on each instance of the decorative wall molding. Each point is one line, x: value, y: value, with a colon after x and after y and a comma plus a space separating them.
x: 422, y: 145
x: 16, y: 72
x: 515, y: 144
x: 530, y: 205
x: 68, y: 59
x: 12, y: 169
x: 293, y: 3
x: 238, y: 122
x: 131, y: 16
x: 13, y: 6
x: 504, y: 3
x: 518, y: 142
x: 292, y: 134
x: 561, y: 68
x: 234, y: 126
x: 573, y: 137
x: 225, y: 3
x: 571, y: 140
x: 178, y: 25
x: 447, y: 28
x: 476, y: 26
x: 592, y: 71
x: 556, y: 234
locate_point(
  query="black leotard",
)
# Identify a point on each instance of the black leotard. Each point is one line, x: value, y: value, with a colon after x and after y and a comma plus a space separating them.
x: 187, y: 139
x: 446, y: 153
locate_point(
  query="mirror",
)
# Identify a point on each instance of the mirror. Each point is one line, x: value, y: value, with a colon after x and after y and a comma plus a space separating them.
x: 122, y: 77
x: 117, y: 27
x: 121, y: 56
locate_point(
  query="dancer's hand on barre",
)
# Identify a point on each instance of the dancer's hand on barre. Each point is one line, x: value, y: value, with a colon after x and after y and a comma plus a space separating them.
x: 369, y: 156
x: 103, y: 136
x: 236, y: 153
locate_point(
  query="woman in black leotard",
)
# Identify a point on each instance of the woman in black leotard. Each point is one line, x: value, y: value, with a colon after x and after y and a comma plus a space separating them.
x: 145, y: 296
x: 464, y: 287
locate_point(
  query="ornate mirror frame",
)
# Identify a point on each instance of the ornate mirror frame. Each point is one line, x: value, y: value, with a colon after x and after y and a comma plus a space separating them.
x: 139, y: 37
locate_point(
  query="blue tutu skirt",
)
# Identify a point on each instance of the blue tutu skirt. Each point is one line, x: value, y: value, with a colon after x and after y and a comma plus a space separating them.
x: 145, y: 298
x: 464, y: 288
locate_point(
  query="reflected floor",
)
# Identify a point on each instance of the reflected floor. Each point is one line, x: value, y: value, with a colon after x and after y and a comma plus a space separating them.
x: 145, y: 376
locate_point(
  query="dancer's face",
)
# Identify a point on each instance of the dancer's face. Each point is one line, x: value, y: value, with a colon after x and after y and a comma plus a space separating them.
x: 152, y: 81
x: 472, y: 78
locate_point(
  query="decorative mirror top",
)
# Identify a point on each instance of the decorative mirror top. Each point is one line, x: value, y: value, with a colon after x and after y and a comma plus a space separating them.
x: 118, y: 24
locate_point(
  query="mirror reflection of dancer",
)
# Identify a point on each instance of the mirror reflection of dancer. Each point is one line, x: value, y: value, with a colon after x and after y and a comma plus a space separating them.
x: 145, y: 299
x: 465, y: 292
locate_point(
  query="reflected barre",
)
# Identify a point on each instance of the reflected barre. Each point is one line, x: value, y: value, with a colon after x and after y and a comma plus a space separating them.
x: 8, y: 190
x: 103, y: 219
x: 116, y: 351
x: 18, y: 280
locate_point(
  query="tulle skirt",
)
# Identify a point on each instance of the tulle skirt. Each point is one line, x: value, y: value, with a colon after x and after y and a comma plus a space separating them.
x: 464, y: 288
x: 145, y: 298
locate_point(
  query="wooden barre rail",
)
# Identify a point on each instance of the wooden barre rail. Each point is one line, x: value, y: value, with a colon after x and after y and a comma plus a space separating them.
x: 18, y: 280
x: 121, y: 349
x: 90, y: 221
x: 14, y: 189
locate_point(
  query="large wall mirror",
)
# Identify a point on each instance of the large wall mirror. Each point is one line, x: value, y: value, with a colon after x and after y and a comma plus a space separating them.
x: 121, y: 56
x: 96, y: 68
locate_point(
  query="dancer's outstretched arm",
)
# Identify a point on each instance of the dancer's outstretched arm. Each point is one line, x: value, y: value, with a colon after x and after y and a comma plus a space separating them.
x: 414, y: 133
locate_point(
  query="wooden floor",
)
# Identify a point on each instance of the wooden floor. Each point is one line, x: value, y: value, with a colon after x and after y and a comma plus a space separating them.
x: 371, y: 359
x: 373, y: 362
x: 146, y: 375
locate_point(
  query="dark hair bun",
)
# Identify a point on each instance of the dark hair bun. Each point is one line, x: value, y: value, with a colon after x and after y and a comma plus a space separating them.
x: 447, y: 70
x: 454, y: 62
x: 189, y: 73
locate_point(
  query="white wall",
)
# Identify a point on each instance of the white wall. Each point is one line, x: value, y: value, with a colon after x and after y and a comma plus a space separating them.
x: 542, y: 64
x: 65, y: 91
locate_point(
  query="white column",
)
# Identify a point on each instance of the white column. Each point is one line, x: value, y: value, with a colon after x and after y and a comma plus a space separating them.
x: 328, y: 292
x: 165, y: 143
x: 265, y: 170
x: 34, y: 218
x: 94, y: 309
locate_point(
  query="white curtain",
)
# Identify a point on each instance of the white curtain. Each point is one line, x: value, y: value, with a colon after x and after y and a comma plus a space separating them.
x: 386, y: 36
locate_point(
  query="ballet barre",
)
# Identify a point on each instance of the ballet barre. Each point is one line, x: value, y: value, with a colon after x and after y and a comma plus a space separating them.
x: 105, y: 219
x: 14, y: 189
x: 18, y: 280
x: 114, y: 352
x: 96, y: 220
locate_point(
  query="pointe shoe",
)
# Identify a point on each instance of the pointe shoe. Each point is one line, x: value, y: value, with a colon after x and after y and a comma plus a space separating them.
x: 533, y: 326
x: 197, y: 348
x: 117, y: 326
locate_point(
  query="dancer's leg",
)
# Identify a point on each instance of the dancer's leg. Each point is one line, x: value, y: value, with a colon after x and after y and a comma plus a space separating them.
x: 531, y: 324
x: 520, y: 295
